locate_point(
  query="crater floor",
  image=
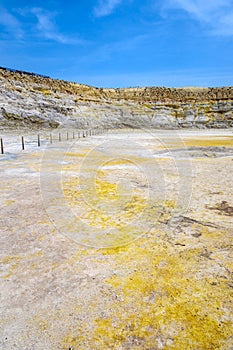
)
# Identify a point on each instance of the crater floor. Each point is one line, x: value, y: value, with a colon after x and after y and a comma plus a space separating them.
x: 117, y: 241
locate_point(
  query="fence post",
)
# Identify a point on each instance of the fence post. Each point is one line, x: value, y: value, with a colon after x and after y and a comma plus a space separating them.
x: 83, y: 133
x: 22, y: 140
x: 59, y: 136
x: 38, y: 140
x: 51, y: 139
x: 2, y: 148
x: 73, y: 134
x: 67, y: 136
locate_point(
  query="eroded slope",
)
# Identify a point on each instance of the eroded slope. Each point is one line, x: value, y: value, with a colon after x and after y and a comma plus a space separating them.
x: 37, y: 101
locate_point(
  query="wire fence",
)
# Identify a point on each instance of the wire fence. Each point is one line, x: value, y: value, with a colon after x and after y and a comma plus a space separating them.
x: 37, y: 140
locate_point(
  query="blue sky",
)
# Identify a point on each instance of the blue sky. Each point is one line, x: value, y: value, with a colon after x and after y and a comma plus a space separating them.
x: 120, y: 43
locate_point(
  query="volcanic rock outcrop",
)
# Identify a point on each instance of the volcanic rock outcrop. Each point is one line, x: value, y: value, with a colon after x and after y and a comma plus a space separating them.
x: 35, y: 101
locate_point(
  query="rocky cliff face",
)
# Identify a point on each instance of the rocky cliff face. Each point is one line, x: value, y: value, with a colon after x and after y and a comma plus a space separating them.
x: 35, y: 101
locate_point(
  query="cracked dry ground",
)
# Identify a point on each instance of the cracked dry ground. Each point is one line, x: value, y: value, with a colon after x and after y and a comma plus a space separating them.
x: 119, y: 241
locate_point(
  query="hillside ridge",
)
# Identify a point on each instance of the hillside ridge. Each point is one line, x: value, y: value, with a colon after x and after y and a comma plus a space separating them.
x: 35, y: 101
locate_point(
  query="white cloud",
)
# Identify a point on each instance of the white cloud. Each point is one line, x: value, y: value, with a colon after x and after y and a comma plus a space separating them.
x: 10, y: 23
x: 225, y: 25
x: 47, y: 27
x: 217, y: 15
x: 106, y: 7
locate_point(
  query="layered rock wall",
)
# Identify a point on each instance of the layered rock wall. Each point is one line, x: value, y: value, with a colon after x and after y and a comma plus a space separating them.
x: 30, y: 101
